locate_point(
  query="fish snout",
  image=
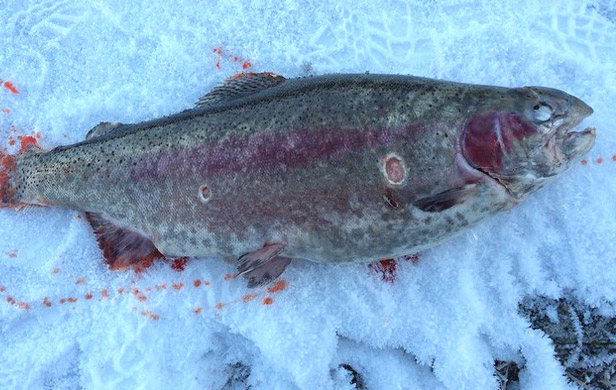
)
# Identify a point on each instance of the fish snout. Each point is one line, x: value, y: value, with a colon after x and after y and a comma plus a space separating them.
x: 579, y: 109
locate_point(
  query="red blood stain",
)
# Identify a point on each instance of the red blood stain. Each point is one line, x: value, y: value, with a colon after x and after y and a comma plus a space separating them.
x: 161, y: 287
x: 12, y: 254
x: 614, y: 158
x: 179, y: 264
x: 55, y: 271
x: 8, y: 85
x: 219, y: 305
x: 6, y: 110
x: 2, y: 289
x: 150, y: 315
x: 248, y: 297
x: 599, y: 160
x: 142, y: 298
x: 62, y: 300
x: 178, y: 286
x: 80, y: 281
x: 225, y: 54
x: 387, y: 269
x: 268, y: 301
x: 105, y: 293
x: 229, y: 276
x: 206, y: 283
x: 121, y: 290
x: 11, y: 141
x: 88, y: 296
x: 46, y: 302
x: 278, y: 286
x: 72, y: 300
x: 21, y: 305
x: 78, y: 216
x: 27, y: 140
x: 197, y: 283
x: 135, y: 292
x: 198, y: 310
x: 413, y: 258
x: 583, y: 161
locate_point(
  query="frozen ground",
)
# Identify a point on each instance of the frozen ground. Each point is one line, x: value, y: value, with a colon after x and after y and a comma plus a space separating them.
x: 67, y: 322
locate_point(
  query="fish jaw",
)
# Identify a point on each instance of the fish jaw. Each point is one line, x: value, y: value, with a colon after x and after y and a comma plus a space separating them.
x: 578, y: 143
x: 571, y: 144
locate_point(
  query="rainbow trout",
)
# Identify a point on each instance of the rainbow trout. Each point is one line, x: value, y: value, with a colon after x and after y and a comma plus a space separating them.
x: 334, y: 168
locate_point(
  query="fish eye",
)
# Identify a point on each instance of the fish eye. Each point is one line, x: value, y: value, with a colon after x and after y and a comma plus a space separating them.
x: 542, y: 111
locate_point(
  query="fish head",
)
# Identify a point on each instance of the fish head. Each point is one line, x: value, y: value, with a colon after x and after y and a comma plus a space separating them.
x: 524, y: 137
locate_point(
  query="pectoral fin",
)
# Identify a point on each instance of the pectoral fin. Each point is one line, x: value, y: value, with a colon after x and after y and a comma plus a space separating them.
x: 122, y: 247
x: 263, y: 265
x: 446, y: 199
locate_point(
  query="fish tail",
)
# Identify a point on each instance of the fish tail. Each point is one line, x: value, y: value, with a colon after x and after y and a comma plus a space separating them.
x: 7, y: 191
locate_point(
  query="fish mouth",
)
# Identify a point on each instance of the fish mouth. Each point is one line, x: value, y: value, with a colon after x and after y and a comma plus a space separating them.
x: 577, y: 143
x: 569, y: 142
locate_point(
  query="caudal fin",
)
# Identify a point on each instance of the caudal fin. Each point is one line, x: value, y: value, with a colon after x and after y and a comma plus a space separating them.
x: 7, y: 167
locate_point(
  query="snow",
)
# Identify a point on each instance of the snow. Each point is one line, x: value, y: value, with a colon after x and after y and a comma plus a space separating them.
x: 444, y: 320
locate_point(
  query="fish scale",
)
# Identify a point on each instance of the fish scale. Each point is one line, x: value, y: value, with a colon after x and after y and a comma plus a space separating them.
x: 334, y: 168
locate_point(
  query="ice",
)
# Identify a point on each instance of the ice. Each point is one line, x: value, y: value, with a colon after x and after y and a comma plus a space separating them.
x: 440, y: 325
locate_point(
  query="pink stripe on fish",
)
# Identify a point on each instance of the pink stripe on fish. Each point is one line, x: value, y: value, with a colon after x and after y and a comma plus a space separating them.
x: 269, y: 151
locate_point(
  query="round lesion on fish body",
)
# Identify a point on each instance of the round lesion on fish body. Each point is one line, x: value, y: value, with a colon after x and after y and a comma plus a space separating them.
x: 205, y: 193
x: 394, y: 169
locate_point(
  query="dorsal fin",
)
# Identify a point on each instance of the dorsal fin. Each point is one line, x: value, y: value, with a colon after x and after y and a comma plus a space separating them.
x: 240, y: 85
x: 104, y: 128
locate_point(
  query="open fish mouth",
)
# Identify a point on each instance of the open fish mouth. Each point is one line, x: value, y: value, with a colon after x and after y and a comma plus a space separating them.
x: 574, y: 142
x: 568, y: 141
x: 587, y: 132
x: 577, y: 143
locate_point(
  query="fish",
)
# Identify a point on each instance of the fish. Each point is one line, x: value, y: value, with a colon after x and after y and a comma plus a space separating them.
x: 338, y: 168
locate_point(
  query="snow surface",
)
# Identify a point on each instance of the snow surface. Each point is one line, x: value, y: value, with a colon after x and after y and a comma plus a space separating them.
x: 444, y: 320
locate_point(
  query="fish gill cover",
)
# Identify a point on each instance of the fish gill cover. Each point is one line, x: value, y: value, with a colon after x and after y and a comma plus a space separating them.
x: 442, y: 319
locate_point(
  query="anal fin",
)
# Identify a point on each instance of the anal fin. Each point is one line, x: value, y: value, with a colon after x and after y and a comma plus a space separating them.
x: 122, y: 247
x: 262, y: 265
